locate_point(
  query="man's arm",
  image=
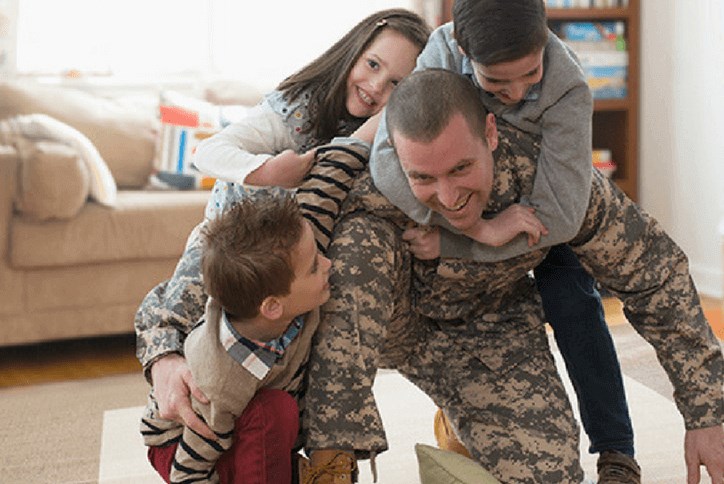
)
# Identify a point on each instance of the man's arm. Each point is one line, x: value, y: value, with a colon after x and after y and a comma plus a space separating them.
x: 629, y: 253
x: 171, y: 309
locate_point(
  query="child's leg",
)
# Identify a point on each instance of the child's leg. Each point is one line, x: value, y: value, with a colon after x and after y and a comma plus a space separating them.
x: 573, y: 308
x: 263, y: 441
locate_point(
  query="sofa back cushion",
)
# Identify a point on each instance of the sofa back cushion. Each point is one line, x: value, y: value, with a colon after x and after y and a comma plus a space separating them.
x: 125, y: 137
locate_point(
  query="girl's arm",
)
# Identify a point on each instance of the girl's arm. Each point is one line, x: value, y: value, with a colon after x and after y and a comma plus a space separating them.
x: 244, y: 146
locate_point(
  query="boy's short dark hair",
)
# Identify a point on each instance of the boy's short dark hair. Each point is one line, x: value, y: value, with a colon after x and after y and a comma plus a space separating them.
x: 247, y: 254
x: 413, y: 113
x: 495, y: 31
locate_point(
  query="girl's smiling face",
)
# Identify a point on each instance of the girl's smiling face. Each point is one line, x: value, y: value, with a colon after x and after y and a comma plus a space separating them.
x: 388, y: 59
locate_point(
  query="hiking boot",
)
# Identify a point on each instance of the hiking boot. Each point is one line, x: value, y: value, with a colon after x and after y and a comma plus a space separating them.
x: 328, y: 467
x: 445, y: 435
x: 617, y: 468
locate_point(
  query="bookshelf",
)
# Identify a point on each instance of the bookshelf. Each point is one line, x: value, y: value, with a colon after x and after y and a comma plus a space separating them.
x: 615, y: 121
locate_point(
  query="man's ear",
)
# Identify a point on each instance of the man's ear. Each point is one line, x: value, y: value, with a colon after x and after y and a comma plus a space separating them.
x: 491, y: 131
x: 271, y: 308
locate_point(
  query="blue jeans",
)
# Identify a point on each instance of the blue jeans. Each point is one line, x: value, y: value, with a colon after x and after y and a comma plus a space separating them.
x: 573, y: 308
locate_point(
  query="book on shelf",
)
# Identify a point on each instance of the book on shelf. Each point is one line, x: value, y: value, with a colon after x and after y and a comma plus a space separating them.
x: 601, y: 50
x: 602, y: 162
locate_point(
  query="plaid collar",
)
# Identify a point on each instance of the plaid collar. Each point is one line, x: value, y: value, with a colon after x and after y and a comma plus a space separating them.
x: 256, y: 356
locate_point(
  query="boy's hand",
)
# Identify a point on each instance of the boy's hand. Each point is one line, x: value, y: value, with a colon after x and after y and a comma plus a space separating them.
x: 287, y: 169
x: 172, y: 384
x: 424, y: 241
x: 506, y: 225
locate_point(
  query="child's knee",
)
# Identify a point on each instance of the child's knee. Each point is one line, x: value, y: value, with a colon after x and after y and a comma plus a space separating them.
x: 273, y: 410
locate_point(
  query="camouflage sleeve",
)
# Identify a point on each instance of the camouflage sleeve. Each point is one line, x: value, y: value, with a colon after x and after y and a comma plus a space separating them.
x: 172, y: 308
x: 629, y: 253
x: 325, y: 189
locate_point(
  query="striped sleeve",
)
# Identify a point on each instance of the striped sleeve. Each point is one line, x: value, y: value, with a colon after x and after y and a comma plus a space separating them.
x: 196, y: 456
x: 325, y: 189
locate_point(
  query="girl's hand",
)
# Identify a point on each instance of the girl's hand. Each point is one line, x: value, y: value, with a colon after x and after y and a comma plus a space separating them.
x: 506, y: 225
x: 287, y: 169
x: 424, y: 241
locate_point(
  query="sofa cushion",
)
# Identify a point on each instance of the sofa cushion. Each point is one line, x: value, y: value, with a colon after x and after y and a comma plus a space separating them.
x: 41, y: 127
x: 52, y: 181
x: 125, y: 137
x: 142, y: 225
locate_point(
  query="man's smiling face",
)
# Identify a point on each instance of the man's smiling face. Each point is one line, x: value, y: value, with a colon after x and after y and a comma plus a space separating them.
x: 452, y: 174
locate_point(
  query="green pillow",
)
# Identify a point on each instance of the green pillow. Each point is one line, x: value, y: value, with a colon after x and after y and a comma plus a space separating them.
x: 439, y: 466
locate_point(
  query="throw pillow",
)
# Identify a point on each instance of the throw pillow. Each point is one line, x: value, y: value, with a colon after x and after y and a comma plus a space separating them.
x: 53, y: 181
x: 439, y: 466
x: 38, y: 127
x: 124, y: 135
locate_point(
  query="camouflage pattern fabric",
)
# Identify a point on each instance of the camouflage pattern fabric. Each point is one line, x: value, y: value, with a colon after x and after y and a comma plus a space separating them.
x: 471, y: 334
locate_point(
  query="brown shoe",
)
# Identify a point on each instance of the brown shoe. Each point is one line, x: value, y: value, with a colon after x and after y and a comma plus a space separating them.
x: 328, y: 467
x: 617, y: 468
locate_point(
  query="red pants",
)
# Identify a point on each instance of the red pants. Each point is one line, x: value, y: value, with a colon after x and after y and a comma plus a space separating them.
x: 264, y: 437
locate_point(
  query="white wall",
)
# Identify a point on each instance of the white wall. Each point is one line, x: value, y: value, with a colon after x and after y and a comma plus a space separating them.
x: 682, y: 129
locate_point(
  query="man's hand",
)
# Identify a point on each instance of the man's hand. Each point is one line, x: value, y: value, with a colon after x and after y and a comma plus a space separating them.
x: 424, y: 242
x: 287, y: 169
x: 172, y: 384
x: 704, y: 447
x: 506, y: 225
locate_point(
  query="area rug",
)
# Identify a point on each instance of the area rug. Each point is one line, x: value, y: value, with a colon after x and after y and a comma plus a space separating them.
x: 86, y: 431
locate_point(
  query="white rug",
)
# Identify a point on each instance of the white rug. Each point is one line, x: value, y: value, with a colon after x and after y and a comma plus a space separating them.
x: 408, y: 415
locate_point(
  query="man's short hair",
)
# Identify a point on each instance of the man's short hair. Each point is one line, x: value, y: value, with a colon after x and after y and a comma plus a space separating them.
x: 423, y: 103
x: 247, y: 254
x: 495, y: 31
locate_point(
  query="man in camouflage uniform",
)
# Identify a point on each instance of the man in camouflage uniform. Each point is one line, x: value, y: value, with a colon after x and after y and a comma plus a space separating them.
x: 471, y: 335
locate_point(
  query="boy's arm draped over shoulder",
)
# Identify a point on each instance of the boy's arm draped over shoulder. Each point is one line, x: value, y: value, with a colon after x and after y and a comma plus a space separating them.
x: 325, y: 189
x: 629, y: 253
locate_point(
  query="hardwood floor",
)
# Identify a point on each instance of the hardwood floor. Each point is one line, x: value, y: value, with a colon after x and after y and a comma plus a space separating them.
x: 95, y: 357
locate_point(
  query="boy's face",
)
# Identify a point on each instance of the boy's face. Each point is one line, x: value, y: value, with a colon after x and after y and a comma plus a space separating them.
x: 510, y: 81
x: 310, y: 287
x: 389, y: 58
x: 452, y: 174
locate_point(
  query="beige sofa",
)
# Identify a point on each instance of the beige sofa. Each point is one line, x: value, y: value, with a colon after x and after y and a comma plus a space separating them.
x: 69, y: 266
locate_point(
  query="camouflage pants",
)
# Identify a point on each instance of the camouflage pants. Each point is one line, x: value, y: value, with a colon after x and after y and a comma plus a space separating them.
x: 509, y: 407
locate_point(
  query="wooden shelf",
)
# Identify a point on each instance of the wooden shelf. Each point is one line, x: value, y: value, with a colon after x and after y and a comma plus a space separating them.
x: 615, y: 121
x: 588, y: 13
